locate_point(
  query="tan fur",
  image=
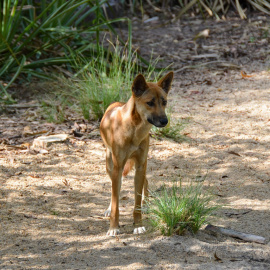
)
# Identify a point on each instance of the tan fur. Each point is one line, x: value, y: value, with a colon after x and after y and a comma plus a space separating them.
x: 125, y: 130
x: 128, y: 166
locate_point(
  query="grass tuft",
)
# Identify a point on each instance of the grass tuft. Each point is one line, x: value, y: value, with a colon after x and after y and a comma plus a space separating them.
x: 178, y: 209
x: 95, y: 85
x: 105, y: 79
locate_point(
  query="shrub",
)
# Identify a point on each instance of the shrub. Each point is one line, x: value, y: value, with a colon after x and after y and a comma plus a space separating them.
x: 39, y: 34
x: 100, y: 82
x: 177, y: 209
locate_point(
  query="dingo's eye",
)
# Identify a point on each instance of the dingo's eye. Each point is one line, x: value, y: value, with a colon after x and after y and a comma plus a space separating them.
x: 164, y: 101
x: 151, y: 103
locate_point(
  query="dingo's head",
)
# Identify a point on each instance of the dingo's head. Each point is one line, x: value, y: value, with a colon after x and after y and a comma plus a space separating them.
x: 151, y: 98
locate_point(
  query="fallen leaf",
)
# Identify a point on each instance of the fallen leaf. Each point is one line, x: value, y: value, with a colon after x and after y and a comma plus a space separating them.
x: 43, y: 151
x: 26, y: 162
x: 30, y: 216
x: 77, y: 134
x: 217, y: 258
x: 235, y: 259
x: 194, y: 92
x: 27, y: 145
x: 34, y: 176
x: 202, y: 34
x: 98, y: 217
x: 27, y: 131
x: 65, y: 182
x: 234, y: 153
x: 244, y: 75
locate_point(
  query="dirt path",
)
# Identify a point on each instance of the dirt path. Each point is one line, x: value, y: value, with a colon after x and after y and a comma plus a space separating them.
x: 52, y: 204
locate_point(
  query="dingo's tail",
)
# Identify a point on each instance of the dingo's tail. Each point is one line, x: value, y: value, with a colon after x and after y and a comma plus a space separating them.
x: 128, y: 167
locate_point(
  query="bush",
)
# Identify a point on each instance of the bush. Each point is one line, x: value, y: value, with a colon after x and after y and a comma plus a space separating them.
x: 35, y: 35
x: 177, y: 209
x: 100, y: 82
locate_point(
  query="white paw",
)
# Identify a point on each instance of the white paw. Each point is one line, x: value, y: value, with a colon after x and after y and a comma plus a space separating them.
x: 113, y: 232
x: 139, y: 230
x: 107, y: 213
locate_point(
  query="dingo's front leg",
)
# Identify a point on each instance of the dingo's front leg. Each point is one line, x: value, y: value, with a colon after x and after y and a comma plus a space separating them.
x: 109, y: 168
x: 116, y: 184
x: 139, y: 182
x: 107, y: 213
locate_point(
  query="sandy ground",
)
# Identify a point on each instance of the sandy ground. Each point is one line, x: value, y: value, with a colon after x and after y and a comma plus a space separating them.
x: 52, y: 204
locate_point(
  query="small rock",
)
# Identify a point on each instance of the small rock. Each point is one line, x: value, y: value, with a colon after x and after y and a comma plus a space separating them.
x: 44, y: 141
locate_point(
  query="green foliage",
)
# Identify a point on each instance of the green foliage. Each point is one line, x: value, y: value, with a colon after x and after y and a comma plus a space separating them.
x: 54, y: 110
x: 35, y: 35
x: 105, y: 79
x: 177, y: 209
x: 54, y: 213
x: 211, y: 7
x: 97, y: 84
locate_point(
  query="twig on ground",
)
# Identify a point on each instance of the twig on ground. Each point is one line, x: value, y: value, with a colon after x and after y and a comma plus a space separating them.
x: 220, y: 63
x: 236, y: 234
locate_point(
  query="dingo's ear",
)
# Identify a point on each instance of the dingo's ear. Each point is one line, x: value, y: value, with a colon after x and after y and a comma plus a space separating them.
x: 166, y: 82
x: 139, y: 85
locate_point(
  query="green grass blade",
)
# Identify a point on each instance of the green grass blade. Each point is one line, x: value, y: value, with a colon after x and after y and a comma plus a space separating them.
x: 28, y: 28
x: 48, y: 62
x: 37, y: 74
x: 260, y: 7
x: 17, y: 72
x: 186, y: 8
x: 78, y: 19
x: 9, y: 61
x: 9, y: 49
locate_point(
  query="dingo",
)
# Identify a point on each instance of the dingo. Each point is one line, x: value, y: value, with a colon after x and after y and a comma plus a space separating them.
x: 125, y: 130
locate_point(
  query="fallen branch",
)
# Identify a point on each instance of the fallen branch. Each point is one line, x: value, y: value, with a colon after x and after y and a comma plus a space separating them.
x: 44, y: 141
x: 23, y: 105
x: 219, y: 63
x: 236, y: 234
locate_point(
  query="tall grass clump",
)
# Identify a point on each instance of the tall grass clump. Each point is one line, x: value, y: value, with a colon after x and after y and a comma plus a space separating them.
x: 105, y: 79
x: 179, y: 209
x: 99, y: 83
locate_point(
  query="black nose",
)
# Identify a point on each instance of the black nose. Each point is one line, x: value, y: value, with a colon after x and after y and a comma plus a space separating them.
x: 163, y: 121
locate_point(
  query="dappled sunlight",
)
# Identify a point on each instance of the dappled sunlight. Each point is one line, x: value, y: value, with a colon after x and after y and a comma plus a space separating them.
x: 262, y: 205
x: 52, y: 204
